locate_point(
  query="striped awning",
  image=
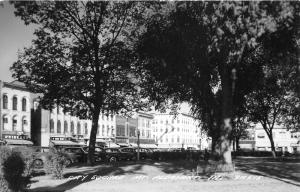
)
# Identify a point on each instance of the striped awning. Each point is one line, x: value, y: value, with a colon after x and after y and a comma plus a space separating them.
x: 123, y: 144
x: 18, y: 142
x: 112, y: 145
x: 148, y: 146
x: 133, y: 145
x: 66, y: 143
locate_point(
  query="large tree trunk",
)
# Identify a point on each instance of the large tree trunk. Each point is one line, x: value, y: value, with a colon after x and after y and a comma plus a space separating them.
x: 91, y: 157
x: 224, y: 143
x: 272, y: 144
x: 237, y: 143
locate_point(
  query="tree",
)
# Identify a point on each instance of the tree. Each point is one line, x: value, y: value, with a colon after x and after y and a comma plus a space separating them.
x: 82, y: 57
x: 189, y: 54
x: 240, y: 130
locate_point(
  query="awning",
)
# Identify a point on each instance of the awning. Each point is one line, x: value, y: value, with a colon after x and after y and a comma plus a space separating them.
x: 66, y: 143
x: 100, y: 140
x: 123, y: 144
x: 18, y: 142
x: 133, y: 144
x: 112, y: 145
x: 149, y: 146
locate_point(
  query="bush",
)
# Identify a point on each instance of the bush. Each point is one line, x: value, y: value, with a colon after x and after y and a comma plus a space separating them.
x: 5, y: 152
x: 12, y: 168
x: 28, y: 157
x: 55, y: 163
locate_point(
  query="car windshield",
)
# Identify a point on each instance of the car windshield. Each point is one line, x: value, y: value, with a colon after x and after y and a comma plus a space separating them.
x: 111, y: 150
x: 73, y: 150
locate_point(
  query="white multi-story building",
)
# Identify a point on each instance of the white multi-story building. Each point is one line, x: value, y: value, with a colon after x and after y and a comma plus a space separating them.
x: 284, y: 140
x: 181, y: 131
x: 58, y: 127
x: 15, y: 113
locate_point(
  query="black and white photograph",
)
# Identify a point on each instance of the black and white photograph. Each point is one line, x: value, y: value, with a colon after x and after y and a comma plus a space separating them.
x: 149, y: 96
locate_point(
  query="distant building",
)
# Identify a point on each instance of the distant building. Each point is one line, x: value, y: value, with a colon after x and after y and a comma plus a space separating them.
x: 181, y: 131
x: 126, y: 130
x: 106, y: 133
x: 284, y: 140
x: 15, y: 113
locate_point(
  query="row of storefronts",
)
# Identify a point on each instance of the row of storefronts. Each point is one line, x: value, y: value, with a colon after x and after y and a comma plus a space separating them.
x: 24, y: 122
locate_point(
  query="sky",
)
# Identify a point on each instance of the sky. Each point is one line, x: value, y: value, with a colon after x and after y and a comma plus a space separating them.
x: 14, y: 36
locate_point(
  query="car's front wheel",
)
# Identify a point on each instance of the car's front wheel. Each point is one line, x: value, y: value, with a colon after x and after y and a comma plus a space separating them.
x: 38, y: 163
x: 68, y: 162
x: 112, y: 159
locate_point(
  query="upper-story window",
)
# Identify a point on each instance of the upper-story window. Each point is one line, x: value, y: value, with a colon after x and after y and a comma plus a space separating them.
x: 51, y: 126
x: 5, y: 102
x: 15, y: 103
x: 58, y: 126
x: 24, y: 103
x: 78, y: 129
x: 15, y: 122
x: 72, y: 127
x: 65, y: 127
x: 85, y: 129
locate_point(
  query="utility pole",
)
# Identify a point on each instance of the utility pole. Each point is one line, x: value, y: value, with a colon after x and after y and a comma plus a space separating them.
x: 138, y: 144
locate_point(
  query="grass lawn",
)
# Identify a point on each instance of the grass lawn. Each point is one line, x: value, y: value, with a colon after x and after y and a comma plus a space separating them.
x: 252, y: 174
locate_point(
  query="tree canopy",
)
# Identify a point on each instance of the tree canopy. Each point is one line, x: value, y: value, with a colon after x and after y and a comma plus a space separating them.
x: 82, y: 57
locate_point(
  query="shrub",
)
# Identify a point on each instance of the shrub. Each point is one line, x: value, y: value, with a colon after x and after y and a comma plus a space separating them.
x: 55, y: 163
x: 5, y: 152
x: 28, y: 157
x: 3, y: 185
x: 13, y: 169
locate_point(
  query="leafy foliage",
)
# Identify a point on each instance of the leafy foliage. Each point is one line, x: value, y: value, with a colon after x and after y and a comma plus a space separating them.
x: 82, y: 57
x: 188, y: 54
x: 55, y: 163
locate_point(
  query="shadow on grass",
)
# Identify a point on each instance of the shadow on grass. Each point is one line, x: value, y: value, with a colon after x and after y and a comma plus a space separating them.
x: 89, y: 172
x: 118, y: 169
x: 287, y: 172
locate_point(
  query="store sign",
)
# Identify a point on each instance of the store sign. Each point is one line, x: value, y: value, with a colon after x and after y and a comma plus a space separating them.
x: 23, y: 137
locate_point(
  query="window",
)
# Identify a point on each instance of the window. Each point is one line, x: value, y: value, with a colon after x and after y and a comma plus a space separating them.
x: 5, y: 102
x: 24, y: 104
x: 72, y: 128
x: 112, y: 131
x: 78, y: 129
x: 65, y: 127
x: 58, y: 126
x: 107, y: 130
x: 98, y: 132
x: 5, y: 119
x: 24, y: 123
x: 51, y: 126
x: 103, y: 130
x: 85, y: 129
x: 15, y: 103
x: 261, y: 135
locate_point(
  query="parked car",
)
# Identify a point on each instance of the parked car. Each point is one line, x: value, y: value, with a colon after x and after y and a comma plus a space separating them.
x: 112, y: 154
x: 99, y: 154
x: 145, y: 153
x: 75, y: 154
x: 128, y: 153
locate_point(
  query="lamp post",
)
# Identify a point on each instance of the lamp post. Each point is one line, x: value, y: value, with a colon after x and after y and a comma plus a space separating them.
x: 138, y: 144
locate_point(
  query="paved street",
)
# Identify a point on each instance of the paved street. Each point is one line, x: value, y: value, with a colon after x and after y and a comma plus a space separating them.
x: 254, y: 175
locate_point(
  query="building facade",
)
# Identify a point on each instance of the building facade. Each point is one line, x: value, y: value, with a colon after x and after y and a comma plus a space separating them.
x: 15, y: 113
x: 284, y: 140
x: 180, y: 131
